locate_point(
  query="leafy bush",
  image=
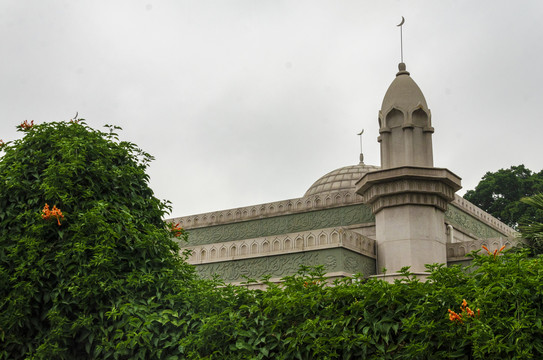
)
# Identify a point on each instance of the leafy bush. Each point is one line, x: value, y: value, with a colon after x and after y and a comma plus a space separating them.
x: 492, y: 311
x: 87, y: 266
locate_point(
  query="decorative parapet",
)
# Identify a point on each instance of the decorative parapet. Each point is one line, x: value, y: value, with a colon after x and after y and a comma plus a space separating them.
x: 312, y: 203
x: 483, y: 216
x: 277, y: 208
x: 282, y: 244
x: 459, y: 251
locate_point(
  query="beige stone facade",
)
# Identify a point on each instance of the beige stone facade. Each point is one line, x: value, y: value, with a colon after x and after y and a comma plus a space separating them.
x: 358, y: 218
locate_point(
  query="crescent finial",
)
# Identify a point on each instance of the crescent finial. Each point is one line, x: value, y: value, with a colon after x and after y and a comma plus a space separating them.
x: 361, y: 153
x: 403, y: 20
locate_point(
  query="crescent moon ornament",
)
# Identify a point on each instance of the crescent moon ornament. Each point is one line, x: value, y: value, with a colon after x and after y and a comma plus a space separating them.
x: 403, y: 20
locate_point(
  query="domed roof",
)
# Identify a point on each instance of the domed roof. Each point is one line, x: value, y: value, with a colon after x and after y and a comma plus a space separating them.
x: 403, y: 93
x: 340, y: 179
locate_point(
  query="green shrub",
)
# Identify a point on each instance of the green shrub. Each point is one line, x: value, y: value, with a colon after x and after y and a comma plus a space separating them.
x: 304, y: 318
x: 101, y: 277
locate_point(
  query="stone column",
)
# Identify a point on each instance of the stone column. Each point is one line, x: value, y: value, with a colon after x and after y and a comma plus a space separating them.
x: 409, y: 204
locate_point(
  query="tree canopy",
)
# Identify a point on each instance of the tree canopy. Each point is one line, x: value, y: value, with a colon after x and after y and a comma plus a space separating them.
x: 83, y: 245
x: 532, y: 230
x: 499, y: 193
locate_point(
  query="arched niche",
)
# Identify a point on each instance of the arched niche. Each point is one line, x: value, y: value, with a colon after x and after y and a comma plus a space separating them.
x: 243, y: 249
x: 395, y: 118
x: 299, y: 242
x: 288, y: 244
x: 420, y: 118
x: 335, y: 237
x: 311, y: 240
x: 323, y: 239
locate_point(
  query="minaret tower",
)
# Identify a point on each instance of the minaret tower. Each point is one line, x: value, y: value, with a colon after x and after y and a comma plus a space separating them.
x: 405, y: 126
x: 408, y: 196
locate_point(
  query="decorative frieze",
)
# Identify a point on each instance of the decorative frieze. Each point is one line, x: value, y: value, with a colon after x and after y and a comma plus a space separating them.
x: 282, y: 244
x: 278, y: 208
x: 477, y: 227
x: 480, y: 215
x: 408, y: 199
x: 338, y: 262
x: 305, y: 221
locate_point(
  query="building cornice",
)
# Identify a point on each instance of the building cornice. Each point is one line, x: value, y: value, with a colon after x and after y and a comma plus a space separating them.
x: 408, y: 185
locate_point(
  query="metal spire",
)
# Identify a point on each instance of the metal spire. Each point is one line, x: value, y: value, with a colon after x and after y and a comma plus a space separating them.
x: 401, y: 37
x: 361, y: 153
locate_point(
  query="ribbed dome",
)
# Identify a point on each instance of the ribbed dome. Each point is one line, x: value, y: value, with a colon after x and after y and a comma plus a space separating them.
x: 340, y: 179
x: 403, y: 93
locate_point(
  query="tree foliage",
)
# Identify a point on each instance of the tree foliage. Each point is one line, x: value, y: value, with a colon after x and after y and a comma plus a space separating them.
x: 499, y: 193
x: 491, y: 311
x: 532, y: 230
x: 85, y: 257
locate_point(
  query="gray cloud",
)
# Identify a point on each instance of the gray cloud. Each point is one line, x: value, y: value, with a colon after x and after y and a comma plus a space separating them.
x: 244, y: 102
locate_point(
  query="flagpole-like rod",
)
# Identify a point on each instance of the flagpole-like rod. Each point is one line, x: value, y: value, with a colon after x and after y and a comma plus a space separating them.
x: 361, y: 153
x: 401, y: 38
x: 401, y: 42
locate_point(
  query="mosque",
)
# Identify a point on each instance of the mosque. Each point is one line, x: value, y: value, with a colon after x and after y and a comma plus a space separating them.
x: 365, y: 219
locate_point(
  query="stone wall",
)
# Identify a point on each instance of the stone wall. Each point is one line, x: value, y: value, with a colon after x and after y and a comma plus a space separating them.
x: 338, y: 261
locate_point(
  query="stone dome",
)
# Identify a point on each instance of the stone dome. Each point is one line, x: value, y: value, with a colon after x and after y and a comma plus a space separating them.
x: 342, y: 179
x: 403, y: 93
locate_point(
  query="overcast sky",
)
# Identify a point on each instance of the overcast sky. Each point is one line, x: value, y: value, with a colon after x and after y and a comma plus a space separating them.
x: 250, y: 101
